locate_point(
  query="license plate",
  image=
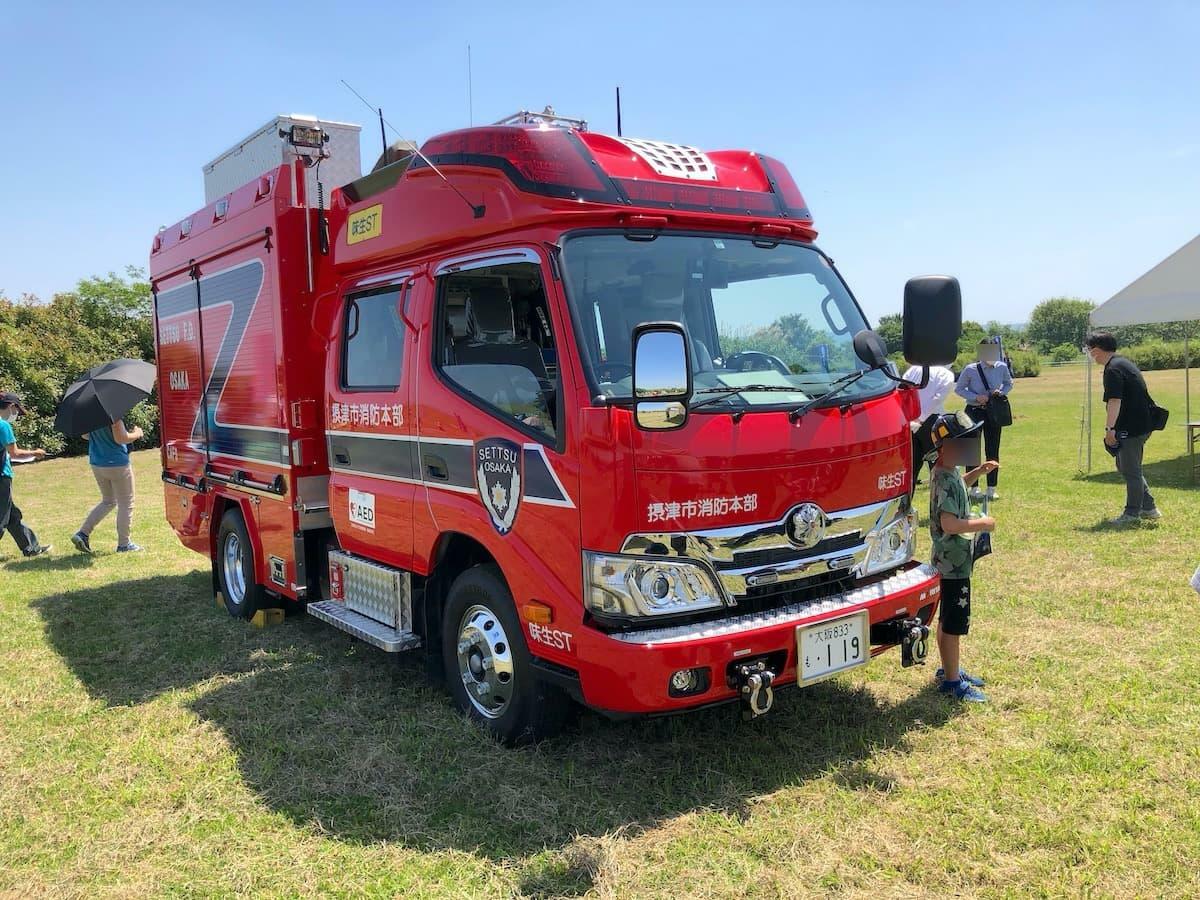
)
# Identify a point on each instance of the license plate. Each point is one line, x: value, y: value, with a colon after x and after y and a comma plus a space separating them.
x: 836, y: 645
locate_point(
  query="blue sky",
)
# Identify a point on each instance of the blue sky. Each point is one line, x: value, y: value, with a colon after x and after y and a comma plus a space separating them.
x: 1030, y: 149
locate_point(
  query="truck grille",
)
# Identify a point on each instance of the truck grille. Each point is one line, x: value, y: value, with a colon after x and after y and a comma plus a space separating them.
x: 777, y: 555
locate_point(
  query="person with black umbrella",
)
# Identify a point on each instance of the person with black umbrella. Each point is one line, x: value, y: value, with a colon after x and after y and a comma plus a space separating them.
x: 93, y: 407
x: 108, y: 452
x: 11, y: 517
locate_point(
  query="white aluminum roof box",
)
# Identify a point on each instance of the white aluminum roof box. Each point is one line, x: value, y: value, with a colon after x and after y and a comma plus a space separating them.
x: 264, y: 150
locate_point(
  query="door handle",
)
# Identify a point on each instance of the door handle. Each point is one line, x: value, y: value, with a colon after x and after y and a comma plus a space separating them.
x: 436, y: 467
x: 341, y: 455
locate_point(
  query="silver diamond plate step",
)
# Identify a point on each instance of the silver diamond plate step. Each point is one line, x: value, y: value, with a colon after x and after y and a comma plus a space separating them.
x: 383, y: 637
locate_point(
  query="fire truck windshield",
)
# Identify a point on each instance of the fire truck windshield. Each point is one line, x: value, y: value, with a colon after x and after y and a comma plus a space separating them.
x: 773, y: 318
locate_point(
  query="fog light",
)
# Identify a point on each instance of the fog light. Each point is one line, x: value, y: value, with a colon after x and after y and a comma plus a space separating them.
x: 688, y: 681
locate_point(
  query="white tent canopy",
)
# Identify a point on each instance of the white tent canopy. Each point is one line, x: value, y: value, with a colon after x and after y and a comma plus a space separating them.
x: 1170, y: 292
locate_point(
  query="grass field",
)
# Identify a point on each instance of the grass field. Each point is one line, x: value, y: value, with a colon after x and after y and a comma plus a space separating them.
x: 151, y: 745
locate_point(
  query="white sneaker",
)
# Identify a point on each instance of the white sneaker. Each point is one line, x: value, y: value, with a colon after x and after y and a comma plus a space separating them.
x: 993, y: 494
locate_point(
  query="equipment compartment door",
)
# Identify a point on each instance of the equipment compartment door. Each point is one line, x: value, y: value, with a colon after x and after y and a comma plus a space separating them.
x: 369, y: 435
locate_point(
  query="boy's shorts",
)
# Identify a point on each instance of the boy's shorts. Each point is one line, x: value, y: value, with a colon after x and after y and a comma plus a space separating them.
x: 955, y: 614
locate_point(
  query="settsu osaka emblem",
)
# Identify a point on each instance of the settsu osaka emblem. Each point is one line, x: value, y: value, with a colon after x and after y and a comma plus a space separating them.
x: 498, y: 474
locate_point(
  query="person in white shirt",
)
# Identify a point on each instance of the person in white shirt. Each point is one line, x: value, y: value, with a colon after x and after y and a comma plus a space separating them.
x: 933, y: 404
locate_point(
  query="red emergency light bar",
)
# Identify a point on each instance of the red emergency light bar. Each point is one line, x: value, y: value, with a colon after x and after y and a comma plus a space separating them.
x: 556, y: 162
x: 550, y: 161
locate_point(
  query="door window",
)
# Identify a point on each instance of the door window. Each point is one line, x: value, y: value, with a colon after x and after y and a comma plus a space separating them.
x: 496, y: 344
x: 373, y: 341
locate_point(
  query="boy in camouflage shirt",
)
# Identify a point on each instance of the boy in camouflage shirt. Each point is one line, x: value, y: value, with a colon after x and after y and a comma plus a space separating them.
x: 956, y: 440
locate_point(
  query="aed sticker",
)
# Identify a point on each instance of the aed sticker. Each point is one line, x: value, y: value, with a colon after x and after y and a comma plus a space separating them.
x: 365, y: 224
x: 551, y: 637
x: 362, y: 508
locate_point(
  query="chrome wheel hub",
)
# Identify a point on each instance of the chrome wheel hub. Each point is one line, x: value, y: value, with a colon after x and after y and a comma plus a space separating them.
x: 485, y: 661
x: 231, y: 565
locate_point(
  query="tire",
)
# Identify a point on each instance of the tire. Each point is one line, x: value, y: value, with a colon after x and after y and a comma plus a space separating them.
x: 235, y: 568
x: 489, y: 671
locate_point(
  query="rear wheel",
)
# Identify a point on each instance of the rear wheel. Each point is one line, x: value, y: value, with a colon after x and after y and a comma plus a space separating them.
x: 235, y: 568
x: 489, y: 671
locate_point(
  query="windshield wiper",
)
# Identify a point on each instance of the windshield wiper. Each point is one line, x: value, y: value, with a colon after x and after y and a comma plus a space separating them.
x: 726, y: 392
x: 836, y: 388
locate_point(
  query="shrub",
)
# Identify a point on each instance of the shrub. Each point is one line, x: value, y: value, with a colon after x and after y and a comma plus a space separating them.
x: 1065, y: 353
x: 1154, y: 355
x: 1025, y: 363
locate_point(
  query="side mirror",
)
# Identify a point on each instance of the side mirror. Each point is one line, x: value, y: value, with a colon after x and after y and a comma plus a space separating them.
x: 870, y: 348
x: 932, y: 320
x: 662, y: 377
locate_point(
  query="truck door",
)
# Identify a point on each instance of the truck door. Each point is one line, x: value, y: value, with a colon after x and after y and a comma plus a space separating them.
x: 372, y: 483
x: 496, y: 450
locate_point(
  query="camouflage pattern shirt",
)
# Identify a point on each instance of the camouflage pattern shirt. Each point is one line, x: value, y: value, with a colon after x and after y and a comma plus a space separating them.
x: 952, y: 553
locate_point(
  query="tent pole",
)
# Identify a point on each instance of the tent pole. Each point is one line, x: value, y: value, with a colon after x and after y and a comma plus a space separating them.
x: 1187, y: 385
x: 1087, y: 373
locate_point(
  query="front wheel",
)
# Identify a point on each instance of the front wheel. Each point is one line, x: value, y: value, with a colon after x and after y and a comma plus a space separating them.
x: 488, y: 666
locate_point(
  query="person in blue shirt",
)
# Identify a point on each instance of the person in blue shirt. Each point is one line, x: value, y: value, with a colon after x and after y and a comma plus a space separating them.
x: 11, y: 518
x: 108, y: 452
x: 978, y: 384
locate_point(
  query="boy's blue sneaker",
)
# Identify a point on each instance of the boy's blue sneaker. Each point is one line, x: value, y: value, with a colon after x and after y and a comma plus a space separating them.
x: 962, y: 691
x: 129, y: 548
x: 963, y: 675
x: 81, y: 542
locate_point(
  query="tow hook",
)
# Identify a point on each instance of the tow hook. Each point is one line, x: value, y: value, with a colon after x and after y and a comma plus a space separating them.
x: 914, y: 645
x: 754, y: 682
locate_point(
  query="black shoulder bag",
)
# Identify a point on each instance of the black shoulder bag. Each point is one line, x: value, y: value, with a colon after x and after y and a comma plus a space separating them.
x: 1158, y: 415
x: 998, y: 409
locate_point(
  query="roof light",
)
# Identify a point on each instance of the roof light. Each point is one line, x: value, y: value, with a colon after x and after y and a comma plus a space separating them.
x: 693, y: 197
x: 791, y: 201
x: 311, y: 136
x: 551, y: 161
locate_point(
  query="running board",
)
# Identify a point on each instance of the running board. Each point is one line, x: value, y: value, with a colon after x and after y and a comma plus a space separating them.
x: 365, y: 629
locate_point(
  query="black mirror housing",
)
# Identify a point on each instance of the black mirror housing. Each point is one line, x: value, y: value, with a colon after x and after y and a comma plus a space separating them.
x: 870, y: 348
x: 932, y: 320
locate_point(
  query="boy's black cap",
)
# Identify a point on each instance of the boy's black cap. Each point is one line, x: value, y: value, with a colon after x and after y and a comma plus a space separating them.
x: 951, y: 426
x: 8, y: 398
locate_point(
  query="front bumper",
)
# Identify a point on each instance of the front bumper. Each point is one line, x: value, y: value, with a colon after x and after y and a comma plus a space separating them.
x: 629, y: 672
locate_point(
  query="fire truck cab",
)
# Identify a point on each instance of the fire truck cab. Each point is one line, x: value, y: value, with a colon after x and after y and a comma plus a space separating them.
x: 584, y: 418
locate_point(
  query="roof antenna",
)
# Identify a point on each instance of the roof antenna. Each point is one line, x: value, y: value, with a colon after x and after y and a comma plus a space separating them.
x: 476, y: 210
x: 470, y: 91
x: 618, y: 110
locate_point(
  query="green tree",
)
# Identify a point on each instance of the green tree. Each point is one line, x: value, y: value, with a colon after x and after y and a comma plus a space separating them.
x: 46, y: 346
x: 891, y: 329
x: 1012, y: 336
x: 1059, y: 320
x: 972, y: 334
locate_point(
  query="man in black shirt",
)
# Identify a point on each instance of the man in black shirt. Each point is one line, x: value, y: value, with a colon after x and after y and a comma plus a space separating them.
x: 1127, y: 426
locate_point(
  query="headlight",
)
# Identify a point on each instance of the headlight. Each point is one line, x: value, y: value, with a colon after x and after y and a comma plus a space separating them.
x: 891, y: 545
x: 635, y: 586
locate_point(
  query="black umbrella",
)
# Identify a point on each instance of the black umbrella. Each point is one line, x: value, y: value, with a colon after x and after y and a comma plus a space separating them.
x: 103, y: 395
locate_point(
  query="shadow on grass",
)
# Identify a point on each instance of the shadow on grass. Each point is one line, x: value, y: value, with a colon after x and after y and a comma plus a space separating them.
x: 1107, y: 526
x: 48, y: 562
x: 361, y: 745
x: 1173, y: 473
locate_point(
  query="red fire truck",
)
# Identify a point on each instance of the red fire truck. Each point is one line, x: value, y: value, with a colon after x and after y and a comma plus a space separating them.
x: 584, y: 418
